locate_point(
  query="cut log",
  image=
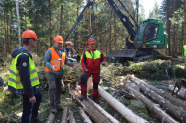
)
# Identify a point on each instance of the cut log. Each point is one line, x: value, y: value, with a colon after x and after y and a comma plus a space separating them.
x: 178, y: 112
x: 98, y: 116
x: 164, y: 117
x: 50, y: 118
x: 181, y: 93
x: 84, y: 116
x: 170, y: 98
x: 72, y: 120
x: 122, y: 109
x: 64, y: 117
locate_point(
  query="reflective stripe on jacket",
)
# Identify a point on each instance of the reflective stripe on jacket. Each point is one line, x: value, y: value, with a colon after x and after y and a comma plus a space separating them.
x: 56, y: 61
x: 14, y: 78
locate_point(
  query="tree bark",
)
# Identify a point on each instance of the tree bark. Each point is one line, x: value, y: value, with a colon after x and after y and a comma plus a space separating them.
x: 115, y: 31
x: 64, y: 117
x: 50, y: 118
x: 184, y: 42
x: 122, y: 109
x: 173, y: 100
x: 110, y: 29
x: 164, y: 117
x: 84, y: 116
x: 92, y: 109
x: 61, y: 22
x: 18, y: 21
x: 168, y: 27
x: 72, y: 120
x: 177, y: 112
x: 50, y: 24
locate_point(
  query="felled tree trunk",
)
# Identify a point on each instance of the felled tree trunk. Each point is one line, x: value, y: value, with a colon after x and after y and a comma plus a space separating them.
x: 123, y: 110
x: 177, y: 112
x: 84, y: 116
x: 181, y: 93
x: 98, y: 116
x: 173, y: 100
x: 150, y: 105
x: 64, y: 117
x: 72, y: 120
x: 50, y: 118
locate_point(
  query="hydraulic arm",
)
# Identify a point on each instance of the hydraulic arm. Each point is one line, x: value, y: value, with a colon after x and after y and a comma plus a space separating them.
x: 124, y: 19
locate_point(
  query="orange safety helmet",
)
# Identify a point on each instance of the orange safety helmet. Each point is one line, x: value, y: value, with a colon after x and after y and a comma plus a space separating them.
x: 29, y: 34
x: 91, y: 41
x: 58, y: 39
x: 69, y: 43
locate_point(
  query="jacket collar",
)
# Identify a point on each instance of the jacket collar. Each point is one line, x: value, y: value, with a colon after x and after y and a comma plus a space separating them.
x: 90, y: 50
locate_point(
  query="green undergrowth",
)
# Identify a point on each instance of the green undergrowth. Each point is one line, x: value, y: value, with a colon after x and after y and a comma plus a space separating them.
x: 154, y: 71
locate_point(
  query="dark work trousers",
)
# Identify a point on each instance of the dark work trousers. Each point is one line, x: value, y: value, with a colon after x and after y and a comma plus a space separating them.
x: 84, y: 79
x: 54, y: 91
x: 29, y: 108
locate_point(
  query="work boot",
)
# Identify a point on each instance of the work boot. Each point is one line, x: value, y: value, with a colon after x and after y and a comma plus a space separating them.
x: 59, y: 108
x: 95, y: 100
x: 53, y: 110
x: 83, y: 97
x: 35, y: 120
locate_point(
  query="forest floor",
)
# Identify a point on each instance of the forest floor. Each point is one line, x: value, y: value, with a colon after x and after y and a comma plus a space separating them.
x: 11, y: 105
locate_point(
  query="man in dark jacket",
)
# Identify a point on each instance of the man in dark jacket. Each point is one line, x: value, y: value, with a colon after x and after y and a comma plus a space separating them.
x: 23, y: 77
x: 90, y: 63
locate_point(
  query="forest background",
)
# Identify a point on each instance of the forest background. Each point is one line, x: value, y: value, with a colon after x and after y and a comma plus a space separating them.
x: 49, y: 18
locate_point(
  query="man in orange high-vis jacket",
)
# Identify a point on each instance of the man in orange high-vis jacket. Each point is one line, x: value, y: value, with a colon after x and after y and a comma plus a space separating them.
x: 90, y: 63
x: 55, y: 59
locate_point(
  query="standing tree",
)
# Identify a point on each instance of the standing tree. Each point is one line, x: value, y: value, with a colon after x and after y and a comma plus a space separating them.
x: 18, y: 21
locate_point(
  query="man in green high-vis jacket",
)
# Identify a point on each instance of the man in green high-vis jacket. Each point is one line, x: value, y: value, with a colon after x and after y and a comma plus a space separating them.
x: 184, y: 54
x: 23, y: 77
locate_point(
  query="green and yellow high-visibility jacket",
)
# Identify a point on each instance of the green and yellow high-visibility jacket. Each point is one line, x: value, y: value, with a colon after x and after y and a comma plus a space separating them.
x: 184, y: 50
x: 14, y: 78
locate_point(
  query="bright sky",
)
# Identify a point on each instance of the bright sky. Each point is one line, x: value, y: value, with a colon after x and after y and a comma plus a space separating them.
x: 148, y: 5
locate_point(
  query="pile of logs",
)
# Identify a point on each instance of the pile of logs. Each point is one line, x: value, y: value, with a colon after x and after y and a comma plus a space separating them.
x: 164, y: 106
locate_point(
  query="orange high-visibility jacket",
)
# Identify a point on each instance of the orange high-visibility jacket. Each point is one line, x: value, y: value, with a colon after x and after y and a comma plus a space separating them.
x: 56, y: 61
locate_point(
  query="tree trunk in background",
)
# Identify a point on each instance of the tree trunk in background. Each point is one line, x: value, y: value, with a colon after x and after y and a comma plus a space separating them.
x: 4, y: 44
x: 1, y: 39
x: 18, y: 21
x: 184, y: 43
x: 7, y: 33
x: 61, y: 22
x: 137, y: 6
x: 168, y: 28
x: 110, y: 30
x: 77, y: 38
x: 115, y: 31
x: 173, y: 41
x: 36, y: 27
x: 174, y: 35
x: 184, y: 23
x: 89, y: 12
x: 182, y: 37
x: 50, y: 24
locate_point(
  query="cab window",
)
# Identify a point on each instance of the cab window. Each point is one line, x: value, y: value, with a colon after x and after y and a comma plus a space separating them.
x: 151, y: 32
